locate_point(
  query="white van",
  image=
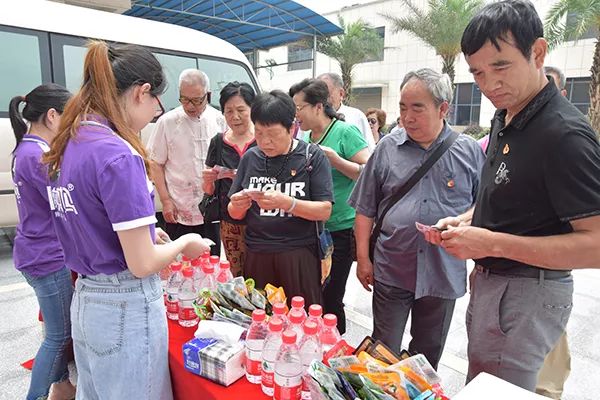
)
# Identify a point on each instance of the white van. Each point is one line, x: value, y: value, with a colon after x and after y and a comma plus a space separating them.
x: 43, y: 41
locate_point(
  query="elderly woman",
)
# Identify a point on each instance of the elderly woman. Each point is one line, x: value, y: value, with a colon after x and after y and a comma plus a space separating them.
x: 347, y: 152
x: 376, y: 119
x: 226, y: 150
x: 281, y: 188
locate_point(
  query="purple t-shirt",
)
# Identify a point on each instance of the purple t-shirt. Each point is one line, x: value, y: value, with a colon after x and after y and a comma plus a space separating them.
x: 37, y: 250
x: 102, y: 188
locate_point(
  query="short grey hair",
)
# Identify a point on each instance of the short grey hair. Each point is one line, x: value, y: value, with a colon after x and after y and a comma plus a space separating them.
x: 192, y: 76
x: 336, y: 79
x: 562, y: 80
x: 438, y: 85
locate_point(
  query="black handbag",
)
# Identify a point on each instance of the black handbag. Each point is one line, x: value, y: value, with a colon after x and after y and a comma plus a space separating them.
x: 408, y: 185
x: 210, y: 206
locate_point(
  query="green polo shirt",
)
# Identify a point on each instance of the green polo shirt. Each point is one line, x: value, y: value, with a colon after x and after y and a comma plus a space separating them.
x: 346, y: 140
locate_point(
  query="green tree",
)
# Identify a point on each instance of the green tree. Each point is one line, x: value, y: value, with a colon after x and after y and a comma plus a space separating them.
x: 440, y: 26
x: 585, y: 14
x: 359, y: 43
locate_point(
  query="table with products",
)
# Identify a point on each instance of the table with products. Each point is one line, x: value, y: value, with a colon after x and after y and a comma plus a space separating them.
x: 188, y: 386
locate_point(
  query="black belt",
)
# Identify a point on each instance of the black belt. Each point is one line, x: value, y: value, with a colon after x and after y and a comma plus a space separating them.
x: 524, y: 272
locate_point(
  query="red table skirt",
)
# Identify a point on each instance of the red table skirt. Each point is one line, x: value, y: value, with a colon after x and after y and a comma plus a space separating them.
x: 188, y: 386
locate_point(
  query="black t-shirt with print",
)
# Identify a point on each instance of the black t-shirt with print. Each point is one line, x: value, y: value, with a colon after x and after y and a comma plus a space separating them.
x: 275, y: 231
x: 542, y: 171
x: 230, y: 158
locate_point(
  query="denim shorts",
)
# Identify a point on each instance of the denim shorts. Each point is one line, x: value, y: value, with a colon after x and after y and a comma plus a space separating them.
x: 120, y: 338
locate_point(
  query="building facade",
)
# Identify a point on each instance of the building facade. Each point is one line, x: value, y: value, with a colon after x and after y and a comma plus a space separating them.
x: 376, y: 82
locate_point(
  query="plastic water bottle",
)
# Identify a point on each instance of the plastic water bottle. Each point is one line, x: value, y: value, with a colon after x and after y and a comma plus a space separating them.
x: 269, y: 355
x: 208, y: 282
x: 288, y: 369
x: 315, y: 313
x: 173, y: 291
x: 225, y: 274
x: 197, y: 268
x: 255, y: 340
x: 187, y: 294
x: 279, y: 312
x: 298, y: 304
x: 164, y: 275
x: 186, y: 262
x: 297, y: 319
x: 329, y: 334
x: 215, y: 261
x: 310, y: 349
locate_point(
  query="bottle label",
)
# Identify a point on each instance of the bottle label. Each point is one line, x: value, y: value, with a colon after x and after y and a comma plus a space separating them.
x: 187, y: 313
x: 287, y: 387
x: 253, y: 367
x: 267, y: 374
x: 172, y: 306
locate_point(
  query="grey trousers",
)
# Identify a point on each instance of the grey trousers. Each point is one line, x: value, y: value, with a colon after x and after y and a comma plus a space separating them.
x: 430, y: 320
x: 513, y: 322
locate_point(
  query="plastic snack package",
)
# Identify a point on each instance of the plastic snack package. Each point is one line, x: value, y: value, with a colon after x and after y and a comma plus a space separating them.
x: 275, y: 294
x: 257, y: 299
x: 368, y: 359
x: 327, y: 379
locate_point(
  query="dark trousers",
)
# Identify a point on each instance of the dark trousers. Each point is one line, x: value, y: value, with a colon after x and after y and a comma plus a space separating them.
x: 209, y: 231
x: 335, y: 288
x: 430, y: 320
x: 298, y: 271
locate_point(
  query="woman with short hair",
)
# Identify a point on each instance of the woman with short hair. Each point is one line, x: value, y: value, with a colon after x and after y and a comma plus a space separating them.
x: 282, y: 187
x: 226, y: 150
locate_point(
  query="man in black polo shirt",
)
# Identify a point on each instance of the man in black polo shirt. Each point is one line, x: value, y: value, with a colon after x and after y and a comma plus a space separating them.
x: 537, y: 214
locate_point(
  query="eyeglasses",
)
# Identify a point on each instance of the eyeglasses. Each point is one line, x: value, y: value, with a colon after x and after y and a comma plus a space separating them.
x: 372, y: 121
x: 160, y: 110
x: 198, y: 101
x: 300, y: 108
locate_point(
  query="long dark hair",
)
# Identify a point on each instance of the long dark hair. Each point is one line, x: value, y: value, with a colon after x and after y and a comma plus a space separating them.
x: 315, y: 92
x: 37, y: 104
x: 108, y: 71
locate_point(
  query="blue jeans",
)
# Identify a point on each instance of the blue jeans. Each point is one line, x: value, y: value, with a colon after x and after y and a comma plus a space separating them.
x: 54, y: 293
x: 120, y: 338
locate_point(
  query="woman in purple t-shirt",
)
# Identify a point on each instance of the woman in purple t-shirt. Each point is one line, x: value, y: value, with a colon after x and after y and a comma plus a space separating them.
x: 37, y: 254
x: 101, y: 199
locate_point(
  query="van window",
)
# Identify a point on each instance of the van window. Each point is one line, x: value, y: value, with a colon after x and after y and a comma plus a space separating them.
x: 24, y: 66
x: 74, y: 57
x: 221, y: 73
x: 172, y: 67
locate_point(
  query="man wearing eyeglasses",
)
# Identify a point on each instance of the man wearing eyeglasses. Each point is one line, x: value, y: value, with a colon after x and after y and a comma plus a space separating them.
x: 178, y: 150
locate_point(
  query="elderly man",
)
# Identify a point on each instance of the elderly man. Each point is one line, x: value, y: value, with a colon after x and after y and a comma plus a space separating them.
x: 538, y: 208
x: 352, y: 115
x: 178, y: 150
x: 408, y: 274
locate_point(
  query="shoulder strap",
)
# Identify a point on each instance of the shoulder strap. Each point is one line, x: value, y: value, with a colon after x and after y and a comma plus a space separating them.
x: 416, y: 177
x: 308, y: 155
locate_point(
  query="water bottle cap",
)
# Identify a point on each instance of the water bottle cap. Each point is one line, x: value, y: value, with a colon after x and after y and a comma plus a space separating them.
x: 289, y: 337
x: 315, y: 310
x: 214, y: 259
x: 330, y: 320
x: 208, y: 269
x: 206, y: 255
x: 297, y: 302
x: 188, y: 272
x: 275, y: 324
x: 258, y: 315
x: 196, y: 262
x: 310, y: 328
x: 176, y: 266
x: 185, y: 258
x: 279, y: 308
x: 296, y: 316
x: 225, y: 264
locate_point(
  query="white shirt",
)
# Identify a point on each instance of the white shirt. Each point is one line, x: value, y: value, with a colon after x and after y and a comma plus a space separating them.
x: 180, y: 144
x: 355, y: 117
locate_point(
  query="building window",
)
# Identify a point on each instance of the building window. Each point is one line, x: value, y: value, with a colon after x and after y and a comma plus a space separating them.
x: 378, y: 57
x: 299, y: 57
x: 578, y: 93
x: 466, y: 104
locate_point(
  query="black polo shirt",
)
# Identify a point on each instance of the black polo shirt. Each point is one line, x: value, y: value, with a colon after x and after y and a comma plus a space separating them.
x: 542, y: 171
